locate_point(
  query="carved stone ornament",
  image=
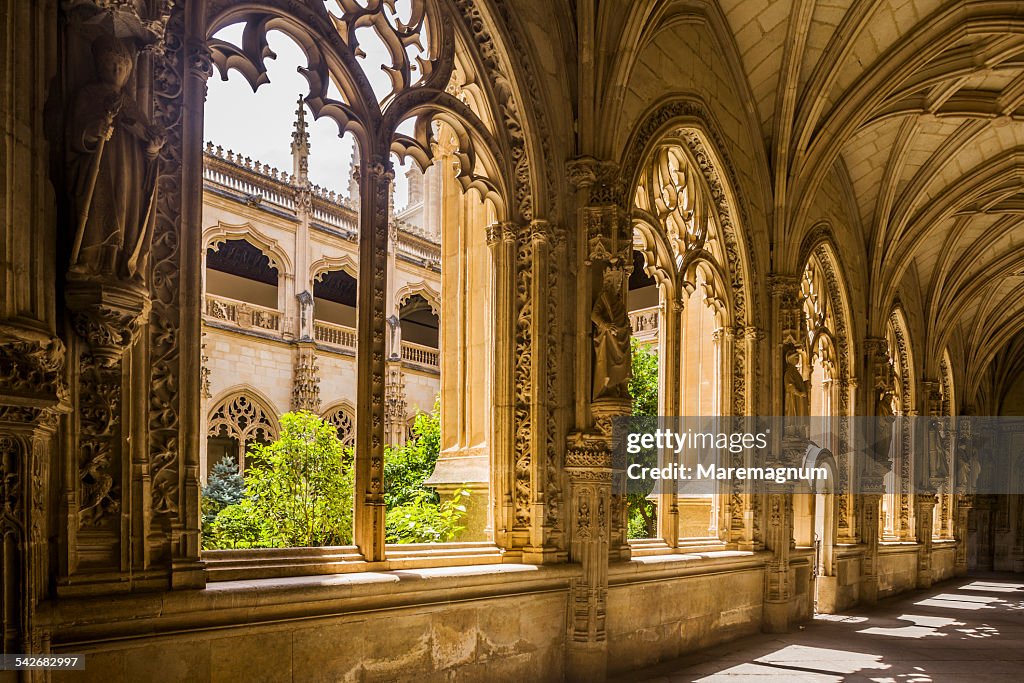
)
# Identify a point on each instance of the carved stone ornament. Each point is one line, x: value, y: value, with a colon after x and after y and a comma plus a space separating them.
x: 600, y: 180
x: 106, y: 314
x: 306, y: 387
x: 30, y: 367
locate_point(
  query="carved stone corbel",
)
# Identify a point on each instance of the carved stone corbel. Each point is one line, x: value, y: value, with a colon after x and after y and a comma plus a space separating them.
x: 306, y: 383
x: 107, y: 315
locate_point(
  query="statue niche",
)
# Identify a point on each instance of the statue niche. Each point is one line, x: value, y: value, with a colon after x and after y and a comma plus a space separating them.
x: 885, y: 418
x: 611, y: 339
x: 112, y: 167
x: 796, y: 401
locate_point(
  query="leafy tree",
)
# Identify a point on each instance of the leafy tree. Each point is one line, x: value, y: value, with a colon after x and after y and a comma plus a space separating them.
x: 415, y: 512
x: 643, y: 390
x: 224, y: 487
x: 298, y: 492
x: 643, y: 383
x: 406, y: 467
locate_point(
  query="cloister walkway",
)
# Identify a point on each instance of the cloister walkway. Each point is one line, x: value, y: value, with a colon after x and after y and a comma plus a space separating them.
x: 969, y: 630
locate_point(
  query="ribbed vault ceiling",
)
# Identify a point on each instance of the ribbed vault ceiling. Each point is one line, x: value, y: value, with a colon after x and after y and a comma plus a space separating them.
x: 921, y: 104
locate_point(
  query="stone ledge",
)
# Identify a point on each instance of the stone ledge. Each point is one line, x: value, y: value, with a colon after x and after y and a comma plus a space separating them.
x: 898, y: 547
x: 88, y: 621
x: 661, y: 567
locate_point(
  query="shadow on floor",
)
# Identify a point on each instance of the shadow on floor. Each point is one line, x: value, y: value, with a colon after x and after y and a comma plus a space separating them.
x: 962, y: 630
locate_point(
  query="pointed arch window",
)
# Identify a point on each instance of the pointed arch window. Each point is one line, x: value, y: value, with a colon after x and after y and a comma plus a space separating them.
x: 401, y: 84
x: 235, y: 425
x: 343, y: 420
x: 678, y: 230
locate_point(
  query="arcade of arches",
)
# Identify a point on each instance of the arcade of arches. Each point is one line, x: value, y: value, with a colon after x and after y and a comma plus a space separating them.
x: 801, y: 208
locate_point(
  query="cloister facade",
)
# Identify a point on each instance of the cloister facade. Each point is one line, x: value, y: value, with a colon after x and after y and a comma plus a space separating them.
x: 808, y: 210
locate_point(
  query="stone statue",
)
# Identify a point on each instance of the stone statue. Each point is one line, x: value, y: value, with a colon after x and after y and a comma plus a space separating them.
x: 885, y: 418
x: 796, y: 394
x: 938, y: 453
x: 611, y: 339
x: 112, y: 169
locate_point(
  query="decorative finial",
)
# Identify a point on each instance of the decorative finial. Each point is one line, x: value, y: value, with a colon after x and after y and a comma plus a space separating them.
x: 300, y: 142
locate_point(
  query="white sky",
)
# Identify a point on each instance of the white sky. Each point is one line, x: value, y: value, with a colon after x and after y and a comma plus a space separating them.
x: 260, y: 124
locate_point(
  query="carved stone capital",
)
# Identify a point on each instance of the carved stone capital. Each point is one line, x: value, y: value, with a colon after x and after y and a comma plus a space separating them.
x: 199, y: 59
x: 379, y: 171
x: 785, y: 291
x: 31, y: 365
x: 600, y: 180
x: 106, y: 315
x: 493, y: 234
x: 751, y: 333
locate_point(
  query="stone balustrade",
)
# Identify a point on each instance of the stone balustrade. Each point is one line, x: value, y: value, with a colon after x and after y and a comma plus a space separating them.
x: 334, y: 335
x: 644, y: 323
x: 421, y: 355
x: 242, y: 314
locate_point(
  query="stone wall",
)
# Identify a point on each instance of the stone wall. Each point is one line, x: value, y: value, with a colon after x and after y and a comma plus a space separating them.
x: 502, y: 623
x: 897, y: 569
x: 654, y: 615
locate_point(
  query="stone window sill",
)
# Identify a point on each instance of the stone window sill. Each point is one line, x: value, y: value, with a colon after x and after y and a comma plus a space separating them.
x: 89, y: 621
x: 648, y: 547
x: 274, y: 563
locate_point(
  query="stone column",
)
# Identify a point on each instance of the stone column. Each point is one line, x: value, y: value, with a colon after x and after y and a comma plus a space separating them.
x: 787, y: 448
x: 871, y: 504
x: 589, y: 470
x: 846, y: 507
x: 598, y: 524
x: 924, y: 508
x: 964, y: 485
x: 669, y: 399
x: 501, y: 242
x: 930, y: 473
x: 874, y: 455
x: 129, y: 450
x: 376, y: 175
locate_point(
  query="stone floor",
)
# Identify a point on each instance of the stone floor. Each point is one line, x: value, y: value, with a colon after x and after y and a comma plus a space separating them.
x: 962, y: 630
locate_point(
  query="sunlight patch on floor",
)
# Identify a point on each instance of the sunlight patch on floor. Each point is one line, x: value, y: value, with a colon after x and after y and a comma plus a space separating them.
x: 922, y: 627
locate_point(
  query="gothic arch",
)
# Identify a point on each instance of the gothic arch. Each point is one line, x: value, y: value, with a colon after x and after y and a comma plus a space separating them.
x: 343, y: 416
x: 424, y: 290
x: 330, y: 263
x: 819, y: 256
x: 898, y: 504
x: 504, y: 160
x: 684, y: 122
x: 242, y: 413
x: 216, y: 235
